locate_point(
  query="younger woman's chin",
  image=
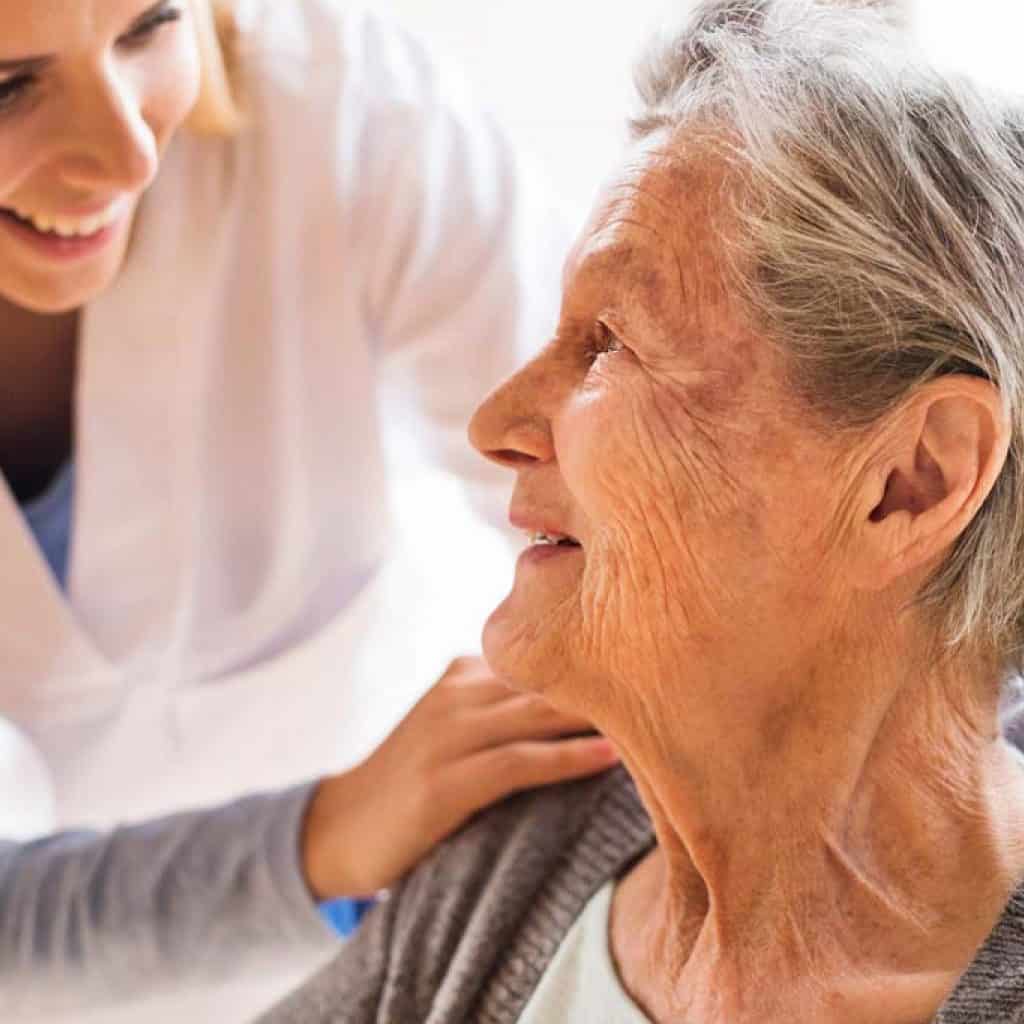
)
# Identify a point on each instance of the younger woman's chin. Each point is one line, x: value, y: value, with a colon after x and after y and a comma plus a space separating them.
x: 55, y: 294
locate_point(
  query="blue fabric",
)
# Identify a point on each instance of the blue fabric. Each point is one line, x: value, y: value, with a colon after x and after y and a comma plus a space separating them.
x: 49, y: 519
x: 344, y: 915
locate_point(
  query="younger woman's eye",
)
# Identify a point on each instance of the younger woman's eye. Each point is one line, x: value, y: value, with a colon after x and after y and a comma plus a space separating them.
x: 13, y: 89
x: 145, y: 30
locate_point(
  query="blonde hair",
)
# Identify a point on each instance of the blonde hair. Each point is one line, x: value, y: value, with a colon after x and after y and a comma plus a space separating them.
x: 217, y: 111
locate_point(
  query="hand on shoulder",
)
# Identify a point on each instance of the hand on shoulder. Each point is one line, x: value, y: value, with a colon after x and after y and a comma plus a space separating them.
x: 468, y: 743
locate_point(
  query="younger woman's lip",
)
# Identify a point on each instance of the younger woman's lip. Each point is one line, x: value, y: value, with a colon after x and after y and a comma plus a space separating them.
x: 55, y: 248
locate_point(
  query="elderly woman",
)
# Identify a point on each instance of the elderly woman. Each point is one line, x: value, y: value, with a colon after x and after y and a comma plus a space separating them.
x: 771, y: 466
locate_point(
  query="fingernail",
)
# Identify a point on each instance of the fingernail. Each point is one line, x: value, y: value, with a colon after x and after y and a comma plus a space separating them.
x: 606, y: 749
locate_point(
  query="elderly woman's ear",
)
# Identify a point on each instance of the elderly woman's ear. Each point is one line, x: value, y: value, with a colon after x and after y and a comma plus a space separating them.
x: 935, y: 461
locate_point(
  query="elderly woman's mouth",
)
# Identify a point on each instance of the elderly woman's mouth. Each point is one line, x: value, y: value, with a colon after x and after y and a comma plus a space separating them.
x: 543, y: 546
x: 555, y: 539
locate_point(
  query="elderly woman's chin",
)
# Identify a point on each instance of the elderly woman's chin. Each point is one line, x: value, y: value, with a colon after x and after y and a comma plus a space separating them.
x: 528, y: 638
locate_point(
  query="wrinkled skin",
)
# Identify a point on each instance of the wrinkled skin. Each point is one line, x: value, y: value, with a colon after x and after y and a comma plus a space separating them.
x: 738, y: 619
x: 656, y: 428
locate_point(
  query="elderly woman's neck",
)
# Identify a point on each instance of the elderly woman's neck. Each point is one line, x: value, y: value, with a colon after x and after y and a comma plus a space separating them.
x: 875, y: 836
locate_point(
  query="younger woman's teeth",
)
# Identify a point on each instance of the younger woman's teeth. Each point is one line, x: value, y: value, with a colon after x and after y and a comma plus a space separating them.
x: 73, y: 227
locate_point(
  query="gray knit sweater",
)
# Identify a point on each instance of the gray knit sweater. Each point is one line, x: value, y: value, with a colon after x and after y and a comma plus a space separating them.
x: 468, y: 935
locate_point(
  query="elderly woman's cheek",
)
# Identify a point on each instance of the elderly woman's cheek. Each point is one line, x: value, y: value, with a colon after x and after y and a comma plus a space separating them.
x: 643, y: 581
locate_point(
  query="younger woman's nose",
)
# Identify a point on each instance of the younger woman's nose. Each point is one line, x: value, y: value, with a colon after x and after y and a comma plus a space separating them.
x: 116, y: 150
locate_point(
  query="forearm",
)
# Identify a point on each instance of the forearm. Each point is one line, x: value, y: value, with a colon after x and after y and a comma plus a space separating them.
x: 86, y: 918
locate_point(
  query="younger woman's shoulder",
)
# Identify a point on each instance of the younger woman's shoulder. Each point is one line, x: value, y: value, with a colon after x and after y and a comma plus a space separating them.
x: 321, y: 45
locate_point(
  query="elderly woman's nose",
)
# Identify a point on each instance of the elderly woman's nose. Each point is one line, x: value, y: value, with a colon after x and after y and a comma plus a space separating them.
x: 114, y: 147
x: 508, y: 428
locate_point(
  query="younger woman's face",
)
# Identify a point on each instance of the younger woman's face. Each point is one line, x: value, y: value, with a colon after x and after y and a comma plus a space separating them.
x: 91, y: 92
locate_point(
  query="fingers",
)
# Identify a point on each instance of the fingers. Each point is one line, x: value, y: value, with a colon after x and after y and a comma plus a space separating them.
x: 500, y: 771
x: 517, y: 718
x: 471, y: 691
x: 476, y: 710
x: 469, y: 682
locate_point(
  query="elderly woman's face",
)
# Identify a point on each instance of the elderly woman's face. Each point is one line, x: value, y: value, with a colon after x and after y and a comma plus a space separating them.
x: 656, y: 431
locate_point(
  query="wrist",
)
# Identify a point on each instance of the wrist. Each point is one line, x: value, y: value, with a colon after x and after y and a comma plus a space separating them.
x: 326, y: 843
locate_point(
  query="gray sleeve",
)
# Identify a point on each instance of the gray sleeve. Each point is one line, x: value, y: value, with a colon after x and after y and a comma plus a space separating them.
x: 89, y: 918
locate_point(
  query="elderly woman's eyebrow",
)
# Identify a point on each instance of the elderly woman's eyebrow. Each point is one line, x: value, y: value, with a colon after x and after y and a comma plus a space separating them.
x: 38, y: 63
x: 646, y: 270
x: 642, y: 253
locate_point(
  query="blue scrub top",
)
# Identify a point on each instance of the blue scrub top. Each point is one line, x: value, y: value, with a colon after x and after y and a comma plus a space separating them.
x: 49, y: 518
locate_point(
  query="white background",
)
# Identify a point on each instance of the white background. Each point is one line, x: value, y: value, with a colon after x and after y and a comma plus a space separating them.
x: 558, y: 72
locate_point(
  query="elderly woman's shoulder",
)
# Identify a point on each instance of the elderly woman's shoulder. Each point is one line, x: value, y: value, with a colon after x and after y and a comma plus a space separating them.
x: 475, y: 923
x: 521, y: 842
x: 993, y: 986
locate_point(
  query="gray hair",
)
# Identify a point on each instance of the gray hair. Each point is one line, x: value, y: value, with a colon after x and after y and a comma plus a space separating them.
x: 879, y: 240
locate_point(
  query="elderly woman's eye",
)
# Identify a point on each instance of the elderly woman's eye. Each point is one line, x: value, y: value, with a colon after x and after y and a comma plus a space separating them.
x: 604, y: 342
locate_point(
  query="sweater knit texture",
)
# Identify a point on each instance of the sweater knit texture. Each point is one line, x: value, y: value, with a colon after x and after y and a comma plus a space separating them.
x: 467, y: 936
